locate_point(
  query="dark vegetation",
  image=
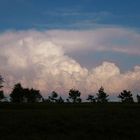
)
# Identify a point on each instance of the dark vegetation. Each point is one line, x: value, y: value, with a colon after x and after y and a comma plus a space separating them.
x: 1, y: 91
x: 126, y: 96
x: 28, y: 116
x: 20, y: 94
x: 74, y: 96
x: 44, y: 121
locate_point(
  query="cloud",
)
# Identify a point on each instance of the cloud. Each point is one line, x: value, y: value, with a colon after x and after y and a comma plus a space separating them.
x: 104, y: 39
x: 40, y: 60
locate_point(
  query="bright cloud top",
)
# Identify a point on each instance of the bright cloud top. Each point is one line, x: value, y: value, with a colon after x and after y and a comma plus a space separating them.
x: 40, y: 60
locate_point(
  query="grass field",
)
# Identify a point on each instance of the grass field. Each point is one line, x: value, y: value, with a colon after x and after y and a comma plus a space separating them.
x: 69, y: 121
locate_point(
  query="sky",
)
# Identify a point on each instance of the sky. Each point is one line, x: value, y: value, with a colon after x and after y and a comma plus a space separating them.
x: 63, y: 44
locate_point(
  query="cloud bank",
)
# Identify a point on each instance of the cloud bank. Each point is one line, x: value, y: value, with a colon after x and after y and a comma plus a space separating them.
x: 40, y: 60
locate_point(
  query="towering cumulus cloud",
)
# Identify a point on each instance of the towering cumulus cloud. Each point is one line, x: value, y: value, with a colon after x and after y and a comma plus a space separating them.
x: 40, y: 60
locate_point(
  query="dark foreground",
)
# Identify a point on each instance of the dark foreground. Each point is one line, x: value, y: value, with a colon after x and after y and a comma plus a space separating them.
x: 69, y: 122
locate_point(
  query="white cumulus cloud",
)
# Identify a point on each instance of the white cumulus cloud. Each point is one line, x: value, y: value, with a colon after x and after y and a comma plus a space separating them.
x: 39, y: 59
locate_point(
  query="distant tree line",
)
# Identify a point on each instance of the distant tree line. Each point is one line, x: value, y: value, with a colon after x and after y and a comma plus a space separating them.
x: 1, y: 91
x: 26, y: 95
x: 20, y: 94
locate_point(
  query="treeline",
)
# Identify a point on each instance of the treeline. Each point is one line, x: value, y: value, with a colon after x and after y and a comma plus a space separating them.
x: 26, y: 95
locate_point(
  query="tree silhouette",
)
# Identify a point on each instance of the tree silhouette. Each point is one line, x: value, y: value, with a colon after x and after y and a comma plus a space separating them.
x: 17, y: 95
x: 53, y: 97
x: 20, y: 94
x: 1, y: 91
x: 68, y: 101
x: 1, y: 81
x: 91, y: 98
x: 32, y: 95
x: 60, y: 100
x: 1, y: 95
x: 46, y: 100
x: 102, y: 96
x: 138, y: 98
x: 126, y: 96
x: 79, y: 100
x: 74, y: 96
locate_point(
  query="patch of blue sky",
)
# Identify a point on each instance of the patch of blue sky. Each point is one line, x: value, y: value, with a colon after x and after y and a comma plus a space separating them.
x: 122, y: 41
x: 67, y: 14
x: 91, y: 59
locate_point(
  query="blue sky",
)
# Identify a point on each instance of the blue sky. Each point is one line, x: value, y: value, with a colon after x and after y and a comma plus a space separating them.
x: 68, y: 14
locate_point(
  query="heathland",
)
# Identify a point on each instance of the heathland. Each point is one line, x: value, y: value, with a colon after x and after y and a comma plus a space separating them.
x: 68, y: 121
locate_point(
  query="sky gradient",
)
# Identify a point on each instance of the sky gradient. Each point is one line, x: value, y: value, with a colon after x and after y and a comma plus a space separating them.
x: 63, y: 44
x: 65, y: 14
